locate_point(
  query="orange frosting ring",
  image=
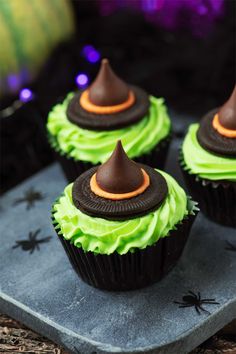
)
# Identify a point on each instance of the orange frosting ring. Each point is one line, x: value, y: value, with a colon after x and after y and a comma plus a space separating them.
x: 90, y: 107
x: 101, y: 193
x: 229, y: 133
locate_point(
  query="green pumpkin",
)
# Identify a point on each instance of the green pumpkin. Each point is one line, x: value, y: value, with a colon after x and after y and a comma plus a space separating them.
x: 29, y: 31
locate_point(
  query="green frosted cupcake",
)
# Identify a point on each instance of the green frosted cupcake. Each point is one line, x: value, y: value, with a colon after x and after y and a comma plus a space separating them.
x: 208, y: 160
x: 83, y: 129
x: 119, y: 231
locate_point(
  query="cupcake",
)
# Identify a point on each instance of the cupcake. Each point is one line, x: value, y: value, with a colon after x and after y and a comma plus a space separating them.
x: 208, y: 160
x: 83, y: 129
x: 123, y: 225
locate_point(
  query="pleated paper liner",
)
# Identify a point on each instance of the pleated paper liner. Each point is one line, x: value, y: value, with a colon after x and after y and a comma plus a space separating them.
x: 217, y: 199
x: 132, y: 270
x: 72, y: 168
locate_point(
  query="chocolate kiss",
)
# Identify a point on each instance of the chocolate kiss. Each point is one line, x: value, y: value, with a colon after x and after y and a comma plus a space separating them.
x: 107, y: 89
x: 227, y: 113
x: 119, y: 174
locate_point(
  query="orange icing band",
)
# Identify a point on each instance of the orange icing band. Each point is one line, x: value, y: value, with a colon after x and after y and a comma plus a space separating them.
x: 90, y: 107
x: 101, y: 193
x: 229, y: 133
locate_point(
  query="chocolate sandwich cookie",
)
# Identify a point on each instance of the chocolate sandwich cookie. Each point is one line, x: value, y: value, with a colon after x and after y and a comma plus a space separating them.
x: 119, y: 176
x: 217, y: 131
x: 211, y: 140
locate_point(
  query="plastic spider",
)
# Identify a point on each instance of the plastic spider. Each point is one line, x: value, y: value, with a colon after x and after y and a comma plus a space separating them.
x: 195, y: 301
x: 32, y: 243
x: 30, y: 197
x: 230, y: 246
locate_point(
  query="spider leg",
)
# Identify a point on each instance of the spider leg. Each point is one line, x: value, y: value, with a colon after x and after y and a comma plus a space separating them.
x: 33, y: 236
x: 230, y: 246
x: 17, y: 245
x: 192, y: 293
x: 210, y: 301
x: 197, y: 309
x: 35, y: 233
x: 46, y: 239
x: 187, y: 305
x: 201, y: 308
x: 18, y: 201
x: 37, y: 246
x: 32, y: 250
x: 199, y: 296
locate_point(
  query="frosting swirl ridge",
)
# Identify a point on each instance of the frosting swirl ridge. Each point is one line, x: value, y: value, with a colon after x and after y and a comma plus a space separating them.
x: 203, y: 163
x: 96, y: 146
x: 106, y: 236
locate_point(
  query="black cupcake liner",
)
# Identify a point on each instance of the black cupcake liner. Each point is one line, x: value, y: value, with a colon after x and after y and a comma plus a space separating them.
x: 130, y: 271
x: 217, y: 199
x: 72, y: 169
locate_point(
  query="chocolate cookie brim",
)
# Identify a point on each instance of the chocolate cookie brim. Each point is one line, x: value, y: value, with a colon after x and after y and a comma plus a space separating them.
x: 213, y: 141
x: 79, y: 116
x: 89, y: 203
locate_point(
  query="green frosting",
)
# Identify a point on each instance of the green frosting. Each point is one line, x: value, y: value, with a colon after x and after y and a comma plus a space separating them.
x: 97, y: 146
x: 105, y: 236
x: 203, y: 163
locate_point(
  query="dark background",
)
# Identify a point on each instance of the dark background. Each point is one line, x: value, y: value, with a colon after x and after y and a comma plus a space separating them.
x: 194, y: 73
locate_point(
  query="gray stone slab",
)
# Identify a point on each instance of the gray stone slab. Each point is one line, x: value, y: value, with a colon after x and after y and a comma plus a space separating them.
x: 41, y: 290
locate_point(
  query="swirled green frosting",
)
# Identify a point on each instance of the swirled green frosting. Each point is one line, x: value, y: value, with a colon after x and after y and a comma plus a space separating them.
x: 105, y: 236
x: 203, y: 163
x: 97, y: 146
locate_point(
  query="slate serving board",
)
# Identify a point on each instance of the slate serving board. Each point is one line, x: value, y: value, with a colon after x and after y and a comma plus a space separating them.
x: 39, y: 287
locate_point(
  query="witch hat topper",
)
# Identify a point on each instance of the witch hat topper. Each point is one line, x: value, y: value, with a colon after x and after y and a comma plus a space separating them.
x: 227, y: 113
x: 108, y: 93
x: 108, y: 103
x: 108, y: 89
x: 119, y: 189
x: 119, y: 174
x: 217, y: 130
x: 119, y: 178
x: 224, y: 122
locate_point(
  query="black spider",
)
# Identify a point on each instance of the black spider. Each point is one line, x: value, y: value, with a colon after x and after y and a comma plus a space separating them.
x: 32, y: 243
x: 195, y: 301
x: 30, y: 197
x: 230, y: 246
